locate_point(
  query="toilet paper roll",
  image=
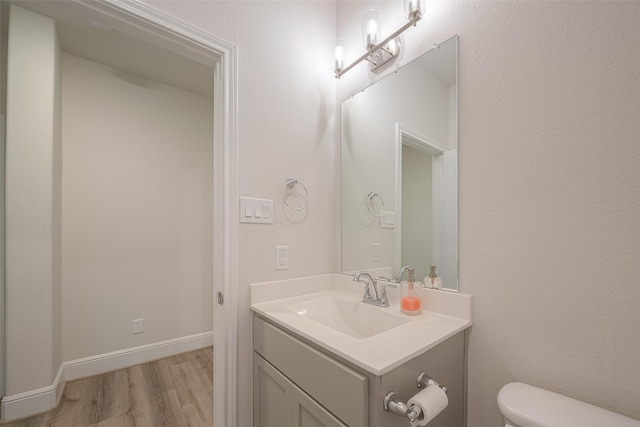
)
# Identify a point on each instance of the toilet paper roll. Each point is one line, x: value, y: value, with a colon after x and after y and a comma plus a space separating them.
x: 430, y: 402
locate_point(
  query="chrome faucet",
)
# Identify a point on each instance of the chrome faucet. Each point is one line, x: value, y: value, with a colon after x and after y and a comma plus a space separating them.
x: 402, y: 271
x: 370, y: 283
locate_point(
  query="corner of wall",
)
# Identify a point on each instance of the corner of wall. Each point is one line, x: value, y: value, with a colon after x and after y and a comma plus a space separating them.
x: 29, y: 245
x: 57, y: 207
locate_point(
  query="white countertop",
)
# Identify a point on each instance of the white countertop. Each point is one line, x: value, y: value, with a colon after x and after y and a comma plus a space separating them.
x: 379, y: 353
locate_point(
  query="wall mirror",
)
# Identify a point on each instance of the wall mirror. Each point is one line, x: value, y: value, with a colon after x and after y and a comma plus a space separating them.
x: 400, y: 171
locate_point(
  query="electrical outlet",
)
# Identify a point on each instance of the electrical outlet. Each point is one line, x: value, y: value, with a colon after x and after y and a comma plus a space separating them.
x: 375, y: 252
x: 138, y: 326
x: 282, y: 257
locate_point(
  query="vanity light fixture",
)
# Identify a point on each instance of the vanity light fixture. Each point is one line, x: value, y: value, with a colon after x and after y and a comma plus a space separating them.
x: 379, y: 53
x: 339, y: 55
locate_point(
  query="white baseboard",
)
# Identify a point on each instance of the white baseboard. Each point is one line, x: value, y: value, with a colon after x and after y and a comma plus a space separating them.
x: 107, y: 362
x: 34, y: 401
x: 43, y: 399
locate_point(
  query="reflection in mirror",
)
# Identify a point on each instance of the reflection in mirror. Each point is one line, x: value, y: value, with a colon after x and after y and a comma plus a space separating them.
x: 400, y: 142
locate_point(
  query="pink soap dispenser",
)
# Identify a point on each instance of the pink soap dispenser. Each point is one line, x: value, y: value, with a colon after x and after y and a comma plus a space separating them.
x: 410, y: 302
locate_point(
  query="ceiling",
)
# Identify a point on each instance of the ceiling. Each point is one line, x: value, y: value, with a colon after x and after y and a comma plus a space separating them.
x: 108, y: 42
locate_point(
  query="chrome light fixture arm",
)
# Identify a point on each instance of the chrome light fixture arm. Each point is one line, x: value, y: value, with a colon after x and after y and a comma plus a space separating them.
x: 369, y: 55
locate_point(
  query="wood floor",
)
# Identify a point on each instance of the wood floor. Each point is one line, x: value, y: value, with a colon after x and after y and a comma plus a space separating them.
x: 176, y: 391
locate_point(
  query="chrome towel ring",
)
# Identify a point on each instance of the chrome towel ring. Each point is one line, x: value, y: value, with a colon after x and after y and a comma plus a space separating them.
x: 289, y: 189
x: 370, y: 198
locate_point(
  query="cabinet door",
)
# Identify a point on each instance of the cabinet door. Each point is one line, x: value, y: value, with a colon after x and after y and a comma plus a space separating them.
x: 322, y: 377
x: 308, y: 413
x: 271, y: 396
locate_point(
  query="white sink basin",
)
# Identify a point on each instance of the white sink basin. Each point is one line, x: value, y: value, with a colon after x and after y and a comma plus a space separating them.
x: 355, y: 319
x: 327, y: 311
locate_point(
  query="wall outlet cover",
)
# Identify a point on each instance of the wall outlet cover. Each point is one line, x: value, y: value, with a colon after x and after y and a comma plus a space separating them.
x: 375, y: 252
x: 138, y: 326
x: 282, y: 257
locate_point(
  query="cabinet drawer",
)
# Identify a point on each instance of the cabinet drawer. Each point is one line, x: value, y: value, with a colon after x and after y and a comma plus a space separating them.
x: 343, y: 391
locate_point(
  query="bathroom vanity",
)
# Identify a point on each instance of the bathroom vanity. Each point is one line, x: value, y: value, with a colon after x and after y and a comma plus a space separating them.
x: 321, y: 358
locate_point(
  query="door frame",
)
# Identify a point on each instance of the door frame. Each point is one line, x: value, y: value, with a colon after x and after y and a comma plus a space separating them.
x: 148, y: 24
x: 421, y: 143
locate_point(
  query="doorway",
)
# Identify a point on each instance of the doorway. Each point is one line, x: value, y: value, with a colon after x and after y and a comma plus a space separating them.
x: 420, y: 208
x: 143, y: 24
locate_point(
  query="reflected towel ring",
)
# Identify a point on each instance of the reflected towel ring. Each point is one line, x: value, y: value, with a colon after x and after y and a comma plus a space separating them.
x: 290, y: 184
x: 370, y: 197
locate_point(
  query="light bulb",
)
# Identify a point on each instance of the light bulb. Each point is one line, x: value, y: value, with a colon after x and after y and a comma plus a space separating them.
x: 339, y: 50
x: 414, y: 9
x: 370, y: 28
x: 339, y: 55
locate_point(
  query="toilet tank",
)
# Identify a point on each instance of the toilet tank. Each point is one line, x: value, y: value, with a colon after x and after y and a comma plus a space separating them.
x: 526, y: 406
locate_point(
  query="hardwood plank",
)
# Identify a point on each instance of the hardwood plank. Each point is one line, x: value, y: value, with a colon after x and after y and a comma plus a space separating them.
x: 194, y: 387
x: 122, y: 419
x: 176, y: 391
x: 202, y: 362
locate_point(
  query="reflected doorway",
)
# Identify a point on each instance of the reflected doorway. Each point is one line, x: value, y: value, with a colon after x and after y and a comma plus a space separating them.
x: 420, y: 209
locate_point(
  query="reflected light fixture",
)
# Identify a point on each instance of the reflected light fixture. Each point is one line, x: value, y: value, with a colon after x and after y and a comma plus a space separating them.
x: 378, y: 53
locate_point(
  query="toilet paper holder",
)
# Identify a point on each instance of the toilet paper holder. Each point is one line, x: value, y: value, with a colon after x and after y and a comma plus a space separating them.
x: 393, y: 404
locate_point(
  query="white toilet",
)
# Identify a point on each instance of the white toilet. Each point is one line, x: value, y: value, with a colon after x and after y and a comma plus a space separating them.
x: 523, y: 405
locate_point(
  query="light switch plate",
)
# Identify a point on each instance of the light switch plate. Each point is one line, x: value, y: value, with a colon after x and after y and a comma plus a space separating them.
x: 387, y: 219
x: 258, y: 211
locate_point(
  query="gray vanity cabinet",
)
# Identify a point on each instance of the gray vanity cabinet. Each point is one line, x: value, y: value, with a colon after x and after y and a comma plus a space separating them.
x: 314, y: 388
x: 279, y: 403
x: 298, y: 384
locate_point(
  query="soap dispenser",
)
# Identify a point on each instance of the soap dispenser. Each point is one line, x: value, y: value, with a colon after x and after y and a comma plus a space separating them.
x: 410, y: 302
x: 433, y: 281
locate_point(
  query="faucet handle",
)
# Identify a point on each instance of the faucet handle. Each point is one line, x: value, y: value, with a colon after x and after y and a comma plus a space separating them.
x: 367, y: 292
x: 388, y: 282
